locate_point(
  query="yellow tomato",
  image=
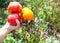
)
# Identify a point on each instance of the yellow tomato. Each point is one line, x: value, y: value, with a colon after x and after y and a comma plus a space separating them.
x: 27, y: 14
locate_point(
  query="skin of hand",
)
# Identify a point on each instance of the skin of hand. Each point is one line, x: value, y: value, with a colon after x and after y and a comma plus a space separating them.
x: 10, y: 27
x: 7, y: 28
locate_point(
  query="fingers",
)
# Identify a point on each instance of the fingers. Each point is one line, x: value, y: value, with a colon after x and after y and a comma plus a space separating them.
x: 10, y: 27
x: 18, y: 23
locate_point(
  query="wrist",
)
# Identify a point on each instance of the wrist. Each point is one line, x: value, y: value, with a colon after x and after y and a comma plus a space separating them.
x: 6, y: 29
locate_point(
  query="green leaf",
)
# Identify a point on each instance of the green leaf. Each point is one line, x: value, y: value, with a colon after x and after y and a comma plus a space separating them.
x: 6, y: 12
x: 41, y: 15
x: 43, y: 26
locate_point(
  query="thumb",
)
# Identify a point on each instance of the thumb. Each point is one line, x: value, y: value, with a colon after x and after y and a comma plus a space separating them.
x: 18, y: 23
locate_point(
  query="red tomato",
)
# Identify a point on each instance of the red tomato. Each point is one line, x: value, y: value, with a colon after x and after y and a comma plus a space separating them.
x: 14, y: 7
x: 12, y: 19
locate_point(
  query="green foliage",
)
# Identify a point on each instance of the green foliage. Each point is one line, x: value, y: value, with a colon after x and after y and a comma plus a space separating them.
x: 51, y: 39
x: 6, y: 12
x: 4, y: 3
x: 41, y: 15
x: 37, y: 31
x: 43, y: 26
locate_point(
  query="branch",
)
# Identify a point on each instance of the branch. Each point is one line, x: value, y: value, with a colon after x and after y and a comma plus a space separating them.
x: 36, y: 7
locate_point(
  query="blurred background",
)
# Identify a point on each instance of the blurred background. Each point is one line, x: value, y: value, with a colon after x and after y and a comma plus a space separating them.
x: 46, y: 25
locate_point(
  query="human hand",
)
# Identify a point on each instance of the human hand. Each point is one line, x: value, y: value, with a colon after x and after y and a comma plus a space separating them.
x: 7, y: 28
x: 10, y: 27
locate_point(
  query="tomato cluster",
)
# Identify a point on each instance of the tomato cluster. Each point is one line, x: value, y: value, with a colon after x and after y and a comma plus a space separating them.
x: 17, y: 12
